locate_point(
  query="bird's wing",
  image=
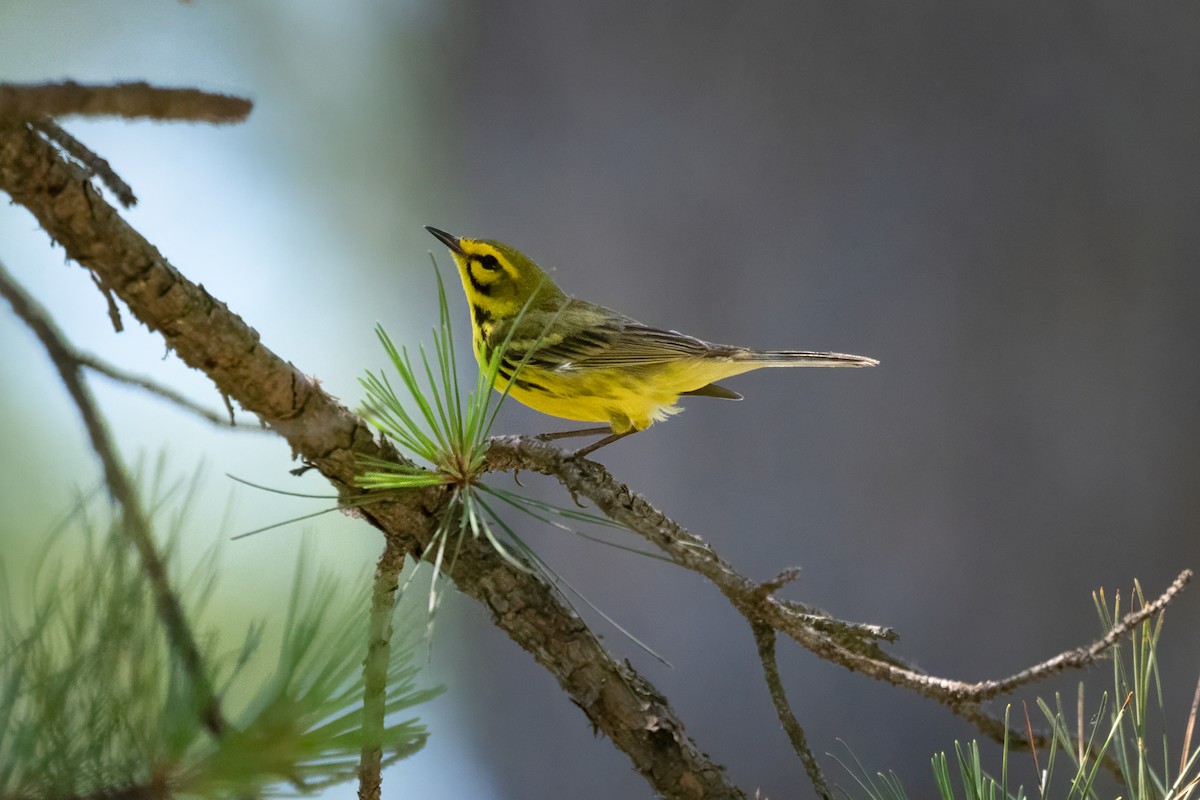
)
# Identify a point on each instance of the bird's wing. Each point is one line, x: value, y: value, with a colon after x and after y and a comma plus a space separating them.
x: 583, y: 335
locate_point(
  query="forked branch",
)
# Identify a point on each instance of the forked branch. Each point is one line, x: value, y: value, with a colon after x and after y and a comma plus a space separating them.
x: 206, y: 335
x: 851, y: 645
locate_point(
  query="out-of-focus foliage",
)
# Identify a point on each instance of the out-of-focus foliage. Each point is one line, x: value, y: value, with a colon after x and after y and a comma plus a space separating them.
x: 93, y: 701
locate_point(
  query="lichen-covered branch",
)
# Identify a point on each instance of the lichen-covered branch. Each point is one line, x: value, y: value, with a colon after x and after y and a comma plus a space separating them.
x: 764, y: 638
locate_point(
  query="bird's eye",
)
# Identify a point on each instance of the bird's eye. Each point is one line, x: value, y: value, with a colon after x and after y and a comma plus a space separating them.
x: 489, y: 262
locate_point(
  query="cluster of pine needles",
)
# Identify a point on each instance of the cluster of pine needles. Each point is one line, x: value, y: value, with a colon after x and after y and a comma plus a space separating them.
x: 434, y: 424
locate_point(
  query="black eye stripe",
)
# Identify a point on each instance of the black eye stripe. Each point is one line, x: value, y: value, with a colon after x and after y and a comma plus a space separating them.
x: 478, y: 285
x: 489, y: 262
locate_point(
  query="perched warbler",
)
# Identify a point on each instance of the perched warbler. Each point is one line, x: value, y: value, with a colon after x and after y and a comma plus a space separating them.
x: 585, y: 362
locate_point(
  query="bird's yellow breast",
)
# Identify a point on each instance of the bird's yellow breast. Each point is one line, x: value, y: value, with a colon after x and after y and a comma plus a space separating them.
x: 625, y: 398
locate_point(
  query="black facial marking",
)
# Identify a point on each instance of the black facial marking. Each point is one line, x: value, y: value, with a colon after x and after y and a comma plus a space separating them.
x: 482, y: 288
x: 489, y: 262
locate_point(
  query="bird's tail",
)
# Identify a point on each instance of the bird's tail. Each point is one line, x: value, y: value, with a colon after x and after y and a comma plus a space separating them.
x: 803, y: 358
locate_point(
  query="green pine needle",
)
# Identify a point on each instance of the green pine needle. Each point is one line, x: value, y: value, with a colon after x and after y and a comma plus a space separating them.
x: 446, y: 432
x: 450, y: 435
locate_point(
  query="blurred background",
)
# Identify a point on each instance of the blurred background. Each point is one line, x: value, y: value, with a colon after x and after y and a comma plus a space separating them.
x: 998, y: 201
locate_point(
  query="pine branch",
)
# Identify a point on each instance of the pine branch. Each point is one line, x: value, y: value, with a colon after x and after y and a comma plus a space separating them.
x: 207, y: 336
x: 813, y: 629
x: 331, y: 439
x: 95, y: 703
x: 851, y: 645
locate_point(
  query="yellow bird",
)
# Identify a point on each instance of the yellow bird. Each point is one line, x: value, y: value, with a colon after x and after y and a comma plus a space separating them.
x: 585, y: 362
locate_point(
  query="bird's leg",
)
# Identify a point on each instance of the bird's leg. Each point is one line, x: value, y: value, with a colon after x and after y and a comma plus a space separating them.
x: 607, y: 440
x: 591, y: 448
x: 549, y: 437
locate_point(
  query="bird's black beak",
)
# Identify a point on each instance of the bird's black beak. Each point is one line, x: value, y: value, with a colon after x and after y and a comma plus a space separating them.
x: 446, y: 239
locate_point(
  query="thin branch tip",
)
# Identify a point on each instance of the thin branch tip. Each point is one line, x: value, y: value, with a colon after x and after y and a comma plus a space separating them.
x: 770, y: 587
x: 140, y: 100
x: 764, y: 637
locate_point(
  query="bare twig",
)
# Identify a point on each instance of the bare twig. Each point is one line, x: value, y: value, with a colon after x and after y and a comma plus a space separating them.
x: 165, y: 392
x: 1088, y: 654
x: 229, y: 409
x: 768, y: 588
x: 70, y: 354
x: 764, y: 637
x: 29, y: 102
x: 375, y: 668
x: 206, y: 335
x: 90, y: 161
x: 136, y: 525
x: 114, y: 313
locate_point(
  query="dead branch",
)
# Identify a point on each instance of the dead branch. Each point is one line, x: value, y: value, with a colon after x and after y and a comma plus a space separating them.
x: 764, y: 637
x: 93, y: 163
x: 28, y: 102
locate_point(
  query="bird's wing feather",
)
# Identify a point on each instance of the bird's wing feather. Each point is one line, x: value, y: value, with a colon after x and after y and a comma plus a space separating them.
x: 584, y: 335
